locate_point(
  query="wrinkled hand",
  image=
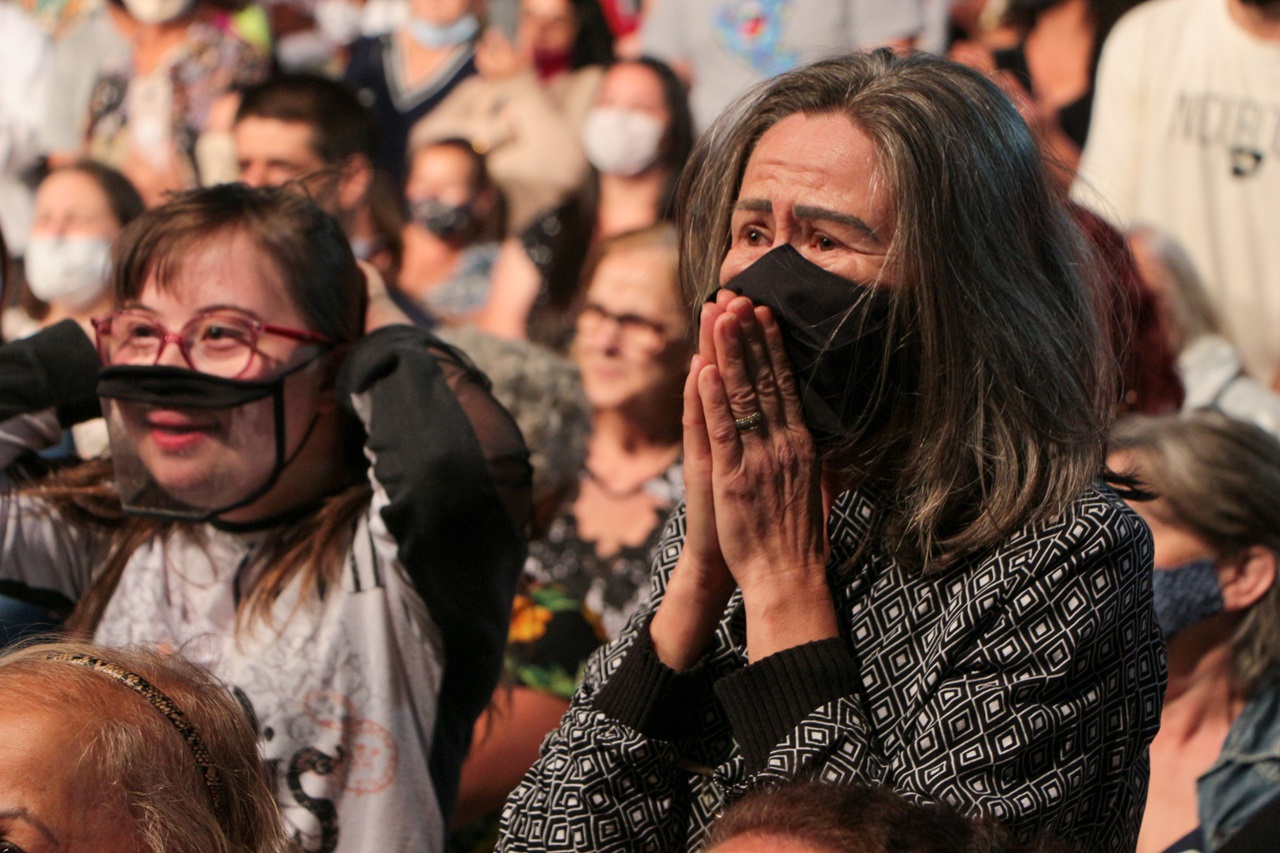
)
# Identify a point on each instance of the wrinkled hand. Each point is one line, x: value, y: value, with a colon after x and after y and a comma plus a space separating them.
x: 700, y: 584
x: 765, y: 482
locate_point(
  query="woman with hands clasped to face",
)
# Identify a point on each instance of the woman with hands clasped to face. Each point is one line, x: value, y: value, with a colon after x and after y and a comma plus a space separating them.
x: 750, y: 463
x: 898, y: 562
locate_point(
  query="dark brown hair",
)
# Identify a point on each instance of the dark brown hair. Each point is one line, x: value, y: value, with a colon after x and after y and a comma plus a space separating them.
x: 864, y: 819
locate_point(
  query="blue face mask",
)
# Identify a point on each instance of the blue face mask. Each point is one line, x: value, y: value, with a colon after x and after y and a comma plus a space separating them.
x: 1186, y: 594
x: 433, y: 35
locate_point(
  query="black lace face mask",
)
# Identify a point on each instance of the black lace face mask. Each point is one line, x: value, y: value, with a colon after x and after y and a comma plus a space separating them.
x: 836, y: 333
x: 190, y: 446
x: 444, y: 220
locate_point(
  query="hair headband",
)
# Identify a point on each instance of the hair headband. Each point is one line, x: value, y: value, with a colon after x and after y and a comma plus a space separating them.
x: 166, y: 706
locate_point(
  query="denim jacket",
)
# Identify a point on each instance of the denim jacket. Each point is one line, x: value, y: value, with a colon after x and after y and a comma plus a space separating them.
x: 1247, y: 774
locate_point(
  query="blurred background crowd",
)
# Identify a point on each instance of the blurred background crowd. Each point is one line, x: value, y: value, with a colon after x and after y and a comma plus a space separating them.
x: 511, y: 167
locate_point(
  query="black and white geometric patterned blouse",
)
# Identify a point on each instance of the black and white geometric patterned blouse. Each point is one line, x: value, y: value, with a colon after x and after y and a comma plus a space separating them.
x: 1026, y: 685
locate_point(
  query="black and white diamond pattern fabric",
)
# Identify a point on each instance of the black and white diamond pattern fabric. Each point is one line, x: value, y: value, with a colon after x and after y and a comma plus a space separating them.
x: 1026, y: 685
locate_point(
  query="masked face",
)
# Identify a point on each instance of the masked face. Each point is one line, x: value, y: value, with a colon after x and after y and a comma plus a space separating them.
x: 809, y: 233
x: 193, y: 445
x: 1186, y: 594
x: 618, y: 141
x: 836, y: 332
x: 433, y: 35
x: 446, y: 221
x: 441, y: 191
x: 69, y: 252
x: 70, y: 271
x: 158, y: 11
x: 624, y: 131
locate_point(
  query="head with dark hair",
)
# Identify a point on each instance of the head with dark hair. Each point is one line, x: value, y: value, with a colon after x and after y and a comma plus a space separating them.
x: 453, y: 172
x: 824, y: 818
x: 649, y: 86
x: 122, y: 197
x: 339, y: 124
x: 565, y: 34
x: 130, y: 750
x: 311, y: 132
x: 1215, y: 481
x: 304, y: 245
x: 1003, y: 383
x: 678, y: 142
x: 79, y: 209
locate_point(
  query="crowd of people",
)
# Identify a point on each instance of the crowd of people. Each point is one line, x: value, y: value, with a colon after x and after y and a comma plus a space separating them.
x: 606, y: 425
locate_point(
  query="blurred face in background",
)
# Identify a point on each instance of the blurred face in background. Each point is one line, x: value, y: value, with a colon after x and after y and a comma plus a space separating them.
x: 271, y: 152
x: 548, y: 26
x: 440, y: 172
x: 440, y: 11
x: 630, y: 340
x: 68, y: 254
x: 443, y: 196
x: 625, y: 131
x: 632, y: 86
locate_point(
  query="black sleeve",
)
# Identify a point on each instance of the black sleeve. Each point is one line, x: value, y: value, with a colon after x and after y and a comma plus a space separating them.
x: 457, y: 475
x: 56, y: 368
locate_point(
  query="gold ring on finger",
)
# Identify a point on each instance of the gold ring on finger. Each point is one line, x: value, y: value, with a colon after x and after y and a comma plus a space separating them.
x: 750, y: 423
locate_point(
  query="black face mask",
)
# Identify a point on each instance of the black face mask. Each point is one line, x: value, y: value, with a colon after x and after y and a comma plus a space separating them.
x: 443, y: 220
x: 835, y: 331
x: 165, y: 387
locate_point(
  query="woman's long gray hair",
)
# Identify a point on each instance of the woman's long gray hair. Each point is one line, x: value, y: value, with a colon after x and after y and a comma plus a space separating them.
x: 999, y: 417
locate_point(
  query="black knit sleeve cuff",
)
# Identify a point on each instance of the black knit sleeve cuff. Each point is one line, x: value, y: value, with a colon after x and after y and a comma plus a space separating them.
x: 70, y: 364
x: 767, y: 700
x: 651, y: 697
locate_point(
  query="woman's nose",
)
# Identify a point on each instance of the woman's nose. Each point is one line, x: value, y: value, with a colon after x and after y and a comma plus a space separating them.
x: 170, y: 353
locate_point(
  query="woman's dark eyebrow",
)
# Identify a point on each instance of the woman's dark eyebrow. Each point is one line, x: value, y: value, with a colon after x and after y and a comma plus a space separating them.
x: 808, y: 211
x: 27, y: 817
x: 805, y: 211
x: 756, y: 205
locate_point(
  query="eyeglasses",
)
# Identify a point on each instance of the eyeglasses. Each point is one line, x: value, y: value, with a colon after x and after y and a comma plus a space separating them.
x: 219, y: 343
x: 641, y: 332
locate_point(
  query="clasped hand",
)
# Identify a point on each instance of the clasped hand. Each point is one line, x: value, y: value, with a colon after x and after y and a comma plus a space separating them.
x: 755, y: 513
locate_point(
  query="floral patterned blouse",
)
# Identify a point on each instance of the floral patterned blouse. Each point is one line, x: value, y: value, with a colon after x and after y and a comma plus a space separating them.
x: 168, y: 108
x: 575, y: 600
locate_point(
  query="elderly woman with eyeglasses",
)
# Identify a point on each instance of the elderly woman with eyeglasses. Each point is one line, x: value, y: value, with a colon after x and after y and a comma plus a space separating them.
x: 317, y: 501
x: 588, y: 567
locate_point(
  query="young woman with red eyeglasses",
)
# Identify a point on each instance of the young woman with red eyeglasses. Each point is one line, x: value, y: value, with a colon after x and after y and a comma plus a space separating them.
x: 318, y: 502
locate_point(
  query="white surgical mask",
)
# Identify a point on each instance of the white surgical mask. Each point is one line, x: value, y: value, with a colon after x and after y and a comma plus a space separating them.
x: 158, y: 11
x: 433, y: 35
x: 623, y: 142
x: 71, y: 271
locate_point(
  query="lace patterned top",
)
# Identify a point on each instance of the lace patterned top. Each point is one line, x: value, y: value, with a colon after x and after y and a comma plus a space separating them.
x: 574, y: 600
x: 167, y: 109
